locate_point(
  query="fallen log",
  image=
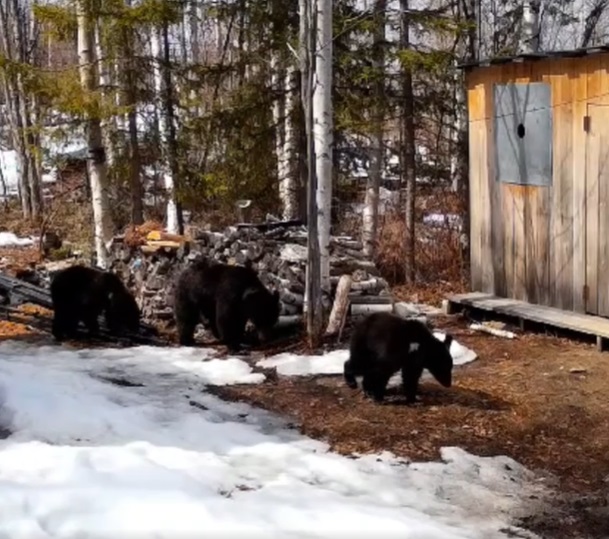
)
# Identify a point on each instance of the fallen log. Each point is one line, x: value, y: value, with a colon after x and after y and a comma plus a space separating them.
x: 363, y: 310
x: 340, y: 307
x: 271, y: 226
x: 20, y: 292
x: 359, y: 299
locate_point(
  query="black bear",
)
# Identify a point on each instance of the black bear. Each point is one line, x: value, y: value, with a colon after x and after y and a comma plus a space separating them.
x: 227, y: 297
x: 384, y: 343
x: 81, y: 293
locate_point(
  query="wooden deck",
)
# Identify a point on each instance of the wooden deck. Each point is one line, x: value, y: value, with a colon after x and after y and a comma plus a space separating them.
x: 580, y: 323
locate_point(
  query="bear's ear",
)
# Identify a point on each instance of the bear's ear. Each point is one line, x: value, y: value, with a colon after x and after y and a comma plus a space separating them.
x: 248, y: 264
x: 276, y: 294
x: 448, y: 341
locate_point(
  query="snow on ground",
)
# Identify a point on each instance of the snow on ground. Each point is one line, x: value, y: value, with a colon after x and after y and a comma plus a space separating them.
x: 8, y: 239
x: 451, y: 220
x: 332, y: 362
x: 89, y: 458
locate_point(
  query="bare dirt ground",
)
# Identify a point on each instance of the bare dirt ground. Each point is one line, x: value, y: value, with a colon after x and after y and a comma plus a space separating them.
x: 540, y: 399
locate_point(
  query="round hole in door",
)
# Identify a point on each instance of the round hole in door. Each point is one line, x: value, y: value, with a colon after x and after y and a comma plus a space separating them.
x: 520, y: 130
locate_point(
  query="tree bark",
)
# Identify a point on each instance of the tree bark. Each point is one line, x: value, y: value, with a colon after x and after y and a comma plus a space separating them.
x: 529, y: 36
x: 163, y: 130
x: 373, y: 181
x: 323, y: 132
x: 96, y: 162
x: 408, y: 148
x: 313, y: 305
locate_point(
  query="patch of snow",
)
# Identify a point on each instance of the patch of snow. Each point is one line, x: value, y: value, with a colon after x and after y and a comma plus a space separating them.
x: 461, y: 354
x: 301, y: 365
x: 9, y: 167
x: 333, y: 362
x: 89, y: 458
x: 450, y: 220
x: 8, y: 239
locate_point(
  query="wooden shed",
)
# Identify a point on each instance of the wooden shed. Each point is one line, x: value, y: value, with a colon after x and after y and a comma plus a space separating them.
x: 539, y: 178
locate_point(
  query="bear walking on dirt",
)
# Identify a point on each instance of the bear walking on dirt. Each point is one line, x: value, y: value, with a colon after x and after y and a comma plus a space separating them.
x: 227, y: 297
x: 384, y: 344
x: 81, y: 293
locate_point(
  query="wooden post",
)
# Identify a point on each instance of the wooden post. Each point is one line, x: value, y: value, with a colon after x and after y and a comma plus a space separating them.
x: 340, y: 307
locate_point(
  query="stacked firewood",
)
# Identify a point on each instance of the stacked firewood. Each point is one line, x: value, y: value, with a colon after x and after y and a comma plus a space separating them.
x: 277, y: 251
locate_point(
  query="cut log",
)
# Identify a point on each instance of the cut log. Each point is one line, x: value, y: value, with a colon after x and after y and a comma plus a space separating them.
x: 164, y: 243
x: 493, y: 331
x: 271, y: 226
x: 369, y: 285
x: 364, y: 310
x: 291, y: 299
x: 288, y: 321
x: 159, y: 235
x: 358, y: 299
x: 340, y: 307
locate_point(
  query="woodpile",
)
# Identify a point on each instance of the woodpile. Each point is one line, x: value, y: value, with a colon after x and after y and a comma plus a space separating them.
x: 277, y: 251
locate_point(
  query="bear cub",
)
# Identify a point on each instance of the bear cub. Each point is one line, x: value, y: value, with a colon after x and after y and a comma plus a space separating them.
x: 227, y: 297
x: 81, y: 294
x: 383, y: 344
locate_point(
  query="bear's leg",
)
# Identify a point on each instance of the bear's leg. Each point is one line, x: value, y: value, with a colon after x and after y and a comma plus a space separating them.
x: 61, y: 324
x: 213, y: 326
x: 349, y: 375
x: 91, y: 323
x: 230, y: 324
x: 411, y: 373
x: 375, y: 383
x: 111, y: 323
x: 186, y: 323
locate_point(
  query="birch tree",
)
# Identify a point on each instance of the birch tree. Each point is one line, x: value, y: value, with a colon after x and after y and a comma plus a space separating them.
x: 373, y: 181
x: 323, y: 133
x: 283, y: 85
x: 159, y: 70
x: 96, y: 162
x: 308, y: 38
x: 529, y: 35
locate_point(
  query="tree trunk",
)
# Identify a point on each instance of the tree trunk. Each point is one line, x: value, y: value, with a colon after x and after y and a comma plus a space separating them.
x: 106, y: 92
x: 163, y: 129
x: 529, y: 36
x: 18, y: 38
x: 323, y: 130
x: 313, y: 305
x: 373, y: 181
x: 408, y: 148
x: 96, y: 162
x: 130, y: 80
x: 284, y: 110
x: 172, y: 146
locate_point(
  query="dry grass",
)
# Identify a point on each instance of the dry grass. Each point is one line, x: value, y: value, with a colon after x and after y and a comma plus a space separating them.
x: 438, y: 252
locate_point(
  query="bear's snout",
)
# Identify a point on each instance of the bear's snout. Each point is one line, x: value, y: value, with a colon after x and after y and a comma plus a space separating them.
x: 264, y: 335
x: 445, y: 379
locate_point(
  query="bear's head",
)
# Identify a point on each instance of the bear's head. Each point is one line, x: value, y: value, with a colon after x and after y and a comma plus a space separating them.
x: 439, y: 361
x: 263, y: 309
x: 124, y: 311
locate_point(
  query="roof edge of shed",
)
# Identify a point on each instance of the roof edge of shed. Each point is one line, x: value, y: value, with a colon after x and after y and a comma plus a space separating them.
x: 520, y: 58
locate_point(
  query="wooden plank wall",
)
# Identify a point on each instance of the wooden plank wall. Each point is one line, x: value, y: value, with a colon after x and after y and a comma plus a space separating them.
x: 541, y: 244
